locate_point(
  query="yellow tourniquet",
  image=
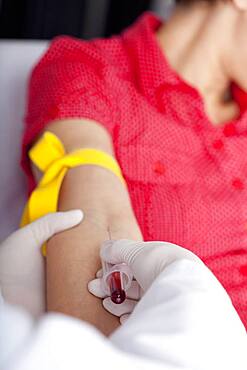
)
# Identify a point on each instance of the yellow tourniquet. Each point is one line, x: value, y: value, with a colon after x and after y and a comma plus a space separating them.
x: 50, y: 157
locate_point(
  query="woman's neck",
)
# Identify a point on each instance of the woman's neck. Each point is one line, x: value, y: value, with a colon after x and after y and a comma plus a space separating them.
x: 196, y: 41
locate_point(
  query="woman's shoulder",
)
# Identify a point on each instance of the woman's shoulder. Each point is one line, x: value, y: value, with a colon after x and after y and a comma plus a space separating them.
x: 116, y: 52
x: 95, y: 55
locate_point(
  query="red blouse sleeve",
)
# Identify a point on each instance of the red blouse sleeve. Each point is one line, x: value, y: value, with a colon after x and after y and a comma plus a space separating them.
x: 70, y: 81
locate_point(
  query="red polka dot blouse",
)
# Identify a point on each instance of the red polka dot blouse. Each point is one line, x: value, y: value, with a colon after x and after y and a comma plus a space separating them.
x: 187, y: 179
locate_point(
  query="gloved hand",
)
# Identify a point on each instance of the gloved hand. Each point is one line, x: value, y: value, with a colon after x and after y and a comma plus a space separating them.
x: 146, y: 260
x: 22, y: 275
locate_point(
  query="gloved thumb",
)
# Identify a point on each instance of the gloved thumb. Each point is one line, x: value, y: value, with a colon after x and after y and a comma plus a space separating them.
x: 53, y: 223
x: 146, y: 259
x: 121, y: 251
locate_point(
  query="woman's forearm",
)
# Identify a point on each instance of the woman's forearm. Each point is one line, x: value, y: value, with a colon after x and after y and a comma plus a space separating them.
x: 73, y: 256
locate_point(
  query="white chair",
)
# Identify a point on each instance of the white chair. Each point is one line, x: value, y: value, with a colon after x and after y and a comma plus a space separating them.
x: 16, y: 61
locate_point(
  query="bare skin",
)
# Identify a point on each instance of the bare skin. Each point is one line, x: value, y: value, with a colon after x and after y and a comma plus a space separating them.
x: 206, y: 44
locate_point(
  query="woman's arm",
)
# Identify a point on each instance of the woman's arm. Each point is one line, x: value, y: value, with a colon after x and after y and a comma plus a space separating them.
x: 73, y: 256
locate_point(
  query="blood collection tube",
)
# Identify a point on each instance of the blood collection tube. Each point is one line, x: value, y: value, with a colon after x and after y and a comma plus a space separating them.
x: 116, y: 281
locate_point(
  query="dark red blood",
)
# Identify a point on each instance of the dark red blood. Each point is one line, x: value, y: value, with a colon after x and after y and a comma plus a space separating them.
x: 117, y: 293
x: 118, y: 296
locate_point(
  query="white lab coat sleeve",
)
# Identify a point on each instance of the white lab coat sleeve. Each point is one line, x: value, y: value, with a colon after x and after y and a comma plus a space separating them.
x: 186, y: 319
x: 58, y: 342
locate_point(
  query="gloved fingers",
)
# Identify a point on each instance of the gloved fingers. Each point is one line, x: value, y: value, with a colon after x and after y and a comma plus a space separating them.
x: 99, y: 273
x: 124, y: 318
x: 95, y: 288
x: 53, y: 223
x: 134, y: 292
x: 120, y: 251
x: 128, y: 251
x: 119, y: 309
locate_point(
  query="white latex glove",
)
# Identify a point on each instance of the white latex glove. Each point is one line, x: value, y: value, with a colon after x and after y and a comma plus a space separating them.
x: 22, y: 275
x: 146, y: 260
